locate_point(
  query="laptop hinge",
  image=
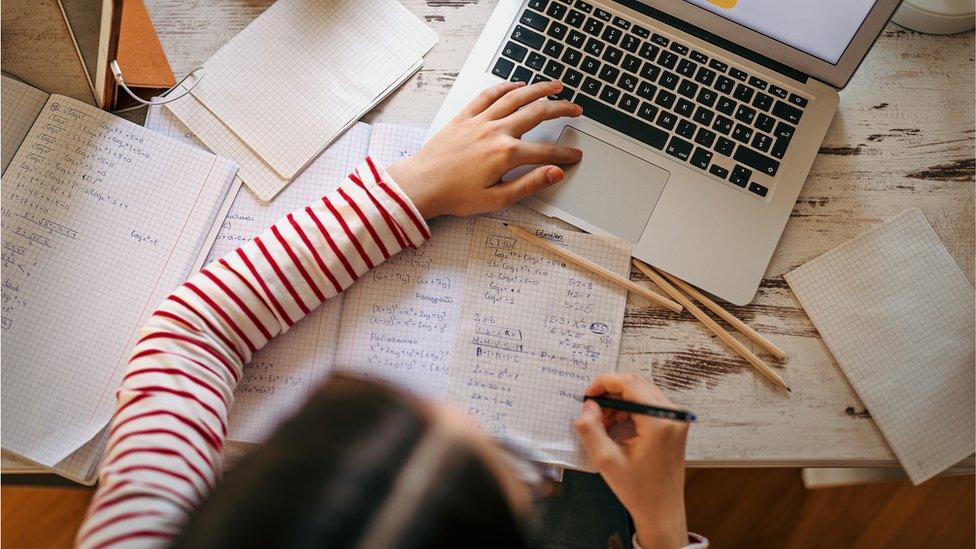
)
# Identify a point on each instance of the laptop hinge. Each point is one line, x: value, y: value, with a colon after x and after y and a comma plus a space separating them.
x: 714, y: 39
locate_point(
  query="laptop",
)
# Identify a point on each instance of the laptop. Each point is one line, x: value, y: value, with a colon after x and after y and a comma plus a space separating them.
x: 701, y: 118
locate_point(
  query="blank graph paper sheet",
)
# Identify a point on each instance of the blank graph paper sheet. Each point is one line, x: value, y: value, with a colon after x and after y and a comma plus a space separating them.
x: 534, y: 332
x: 897, y: 314
x: 101, y: 220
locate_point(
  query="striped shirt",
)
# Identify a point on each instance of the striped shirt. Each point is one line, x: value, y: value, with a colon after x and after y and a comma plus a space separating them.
x: 167, y: 435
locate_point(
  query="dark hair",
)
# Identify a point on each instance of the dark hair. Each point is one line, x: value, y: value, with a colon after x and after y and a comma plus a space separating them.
x: 325, y: 477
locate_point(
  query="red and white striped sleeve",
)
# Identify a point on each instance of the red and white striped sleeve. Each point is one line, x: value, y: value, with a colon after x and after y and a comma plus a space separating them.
x: 167, y: 435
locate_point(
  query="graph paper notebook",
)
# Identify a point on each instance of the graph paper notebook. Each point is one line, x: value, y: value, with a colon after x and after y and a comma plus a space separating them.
x: 101, y: 219
x: 897, y: 314
x: 399, y: 323
x: 297, y: 77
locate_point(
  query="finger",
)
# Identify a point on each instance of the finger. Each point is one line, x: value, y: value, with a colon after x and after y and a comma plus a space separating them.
x: 545, y: 153
x: 532, y: 115
x: 629, y: 386
x: 601, y: 449
x: 520, y: 97
x: 488, y: 96
x: 508, y: 192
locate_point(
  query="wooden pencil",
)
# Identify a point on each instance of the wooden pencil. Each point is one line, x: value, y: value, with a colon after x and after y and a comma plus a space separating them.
x: 594, y: 268
x: 711, y: 324
x: 742, y: 327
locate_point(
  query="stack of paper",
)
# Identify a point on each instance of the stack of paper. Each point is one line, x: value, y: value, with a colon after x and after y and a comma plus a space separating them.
x: 292, y: 81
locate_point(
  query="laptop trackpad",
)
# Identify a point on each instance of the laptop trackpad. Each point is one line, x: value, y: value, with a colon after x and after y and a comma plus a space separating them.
x: 609, y: 188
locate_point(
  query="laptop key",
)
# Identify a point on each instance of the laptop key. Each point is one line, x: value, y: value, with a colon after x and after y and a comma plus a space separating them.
x: 612, y: 35
x: 575, y: 19
x: 745, y: 114
x: 593, y: 46
x: 706, y: 97
x: 679, y: 148
x: 680, y: 48
x: 556, y: 10
x: 576, y: 39
x: 536, y: 61
x: 777, y: 91
x: 649, y: 51
x: 718, y: 171
x: 628, y: 102
x: 703, y: 116
x: 718, y: 65
x: 686, y: 68
x: 503, y: 67
x: 603, y: 14
x: 591, y: 86
x: 514, y: 52
x: 758, y: 189
x: 667, y: 120
x: 724, y: 84
x: 647, y: 111
x: 705, y: 137
x: 686, y: 129
x: 539, y: 5
x: 705, y: 76
x: 665, y: 99
x: 540, y: 78
x: 584, y: 6
x: 688, y: 89
x: 593, y: 26
x: 641, y: 31
x: 742, y: 133
x: 522, y: 74
x: 552, y: 48
x: 650, y: 71
x: 737, y: 74
x: 630, y: 43
x: 572, y: 57
x: 646, y: 90
x: 535, y: 20
x: 610, y: 95
x: 740, y: 176
x: 668, y: 80
x: 659, y: 40
x: 722, y: 125
x: 797, y: 100
x: 762, y: 101
x: 787, y: 112
x: 765, y: 123
x: 621, y: 22
x: 684, y: 107
x: 782, y: 141
x: 667, y: 59
x: 702, y: 158
x: 698, y: 57
x: 573, y: 78
x: 757, y: 161
x: 726, y: 106
x: 554, y: 69
x: 566, y: 94
x: 590, y: 65
x: 743, y: 93
x: 612, y: 55
x: 724, y: 146
x: 609, y: 74
x: 756, y: 82
x: 631, y: 63
x: 761, y: 142
x: 621, y: 122
x: 628, y: 81
x: 528, y: 37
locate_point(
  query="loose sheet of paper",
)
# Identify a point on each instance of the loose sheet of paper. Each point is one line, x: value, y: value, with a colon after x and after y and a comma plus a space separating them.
x: 534, y: 331
x: 101, y: 219
x: 304, y: 70
x: 20, y: 105
x: 898, y: 316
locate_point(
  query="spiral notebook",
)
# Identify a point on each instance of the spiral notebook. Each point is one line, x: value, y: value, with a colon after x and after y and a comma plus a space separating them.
x: 897, y: 314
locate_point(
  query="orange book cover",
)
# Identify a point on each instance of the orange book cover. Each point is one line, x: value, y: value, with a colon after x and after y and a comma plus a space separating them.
x: 140, y: 54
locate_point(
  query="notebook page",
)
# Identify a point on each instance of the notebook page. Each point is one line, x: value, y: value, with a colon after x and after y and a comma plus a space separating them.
x: 282, y: 374
x: 534, y: 332
x: 100, y: 222
x: 294, y: 78
x: 20, y: 104
x: 898, y: 316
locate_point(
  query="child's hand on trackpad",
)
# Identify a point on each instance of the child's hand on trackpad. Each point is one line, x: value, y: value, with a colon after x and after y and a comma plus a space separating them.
x: 458, y: 172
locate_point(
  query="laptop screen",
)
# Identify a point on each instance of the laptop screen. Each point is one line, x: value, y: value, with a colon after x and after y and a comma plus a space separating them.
x: 821, y: 28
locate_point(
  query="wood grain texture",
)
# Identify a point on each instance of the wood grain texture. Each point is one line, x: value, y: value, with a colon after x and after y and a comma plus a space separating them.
x: 903, y: 137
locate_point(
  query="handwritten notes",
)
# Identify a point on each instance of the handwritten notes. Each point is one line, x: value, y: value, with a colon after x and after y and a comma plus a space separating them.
x: 534, y: 332
x: 100, y: 219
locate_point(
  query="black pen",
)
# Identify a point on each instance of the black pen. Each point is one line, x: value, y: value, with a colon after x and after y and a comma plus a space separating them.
x: 646, y: 409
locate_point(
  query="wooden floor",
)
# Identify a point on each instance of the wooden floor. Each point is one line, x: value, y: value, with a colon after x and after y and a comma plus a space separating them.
x: 732, y: 507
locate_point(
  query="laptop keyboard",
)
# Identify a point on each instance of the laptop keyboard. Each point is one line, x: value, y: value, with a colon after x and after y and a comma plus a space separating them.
x: 698, y: 109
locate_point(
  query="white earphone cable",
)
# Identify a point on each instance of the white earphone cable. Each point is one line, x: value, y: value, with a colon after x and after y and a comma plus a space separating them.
x: 117, y: 73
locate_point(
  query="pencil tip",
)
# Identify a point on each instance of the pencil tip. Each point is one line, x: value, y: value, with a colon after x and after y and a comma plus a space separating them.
x: 790, y: 390
x: 505, y: 224
x: 692, y: 418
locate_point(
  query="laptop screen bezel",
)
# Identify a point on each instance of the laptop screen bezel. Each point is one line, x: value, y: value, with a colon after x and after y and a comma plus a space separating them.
x: 836, y: 75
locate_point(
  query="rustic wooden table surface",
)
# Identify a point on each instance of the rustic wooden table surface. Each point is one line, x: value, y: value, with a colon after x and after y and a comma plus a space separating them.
x: 903, y: 137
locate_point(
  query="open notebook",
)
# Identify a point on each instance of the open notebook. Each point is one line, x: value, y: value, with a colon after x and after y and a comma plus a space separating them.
x: 408, y: 321
x: 298, y: 76
x: 101, y: 219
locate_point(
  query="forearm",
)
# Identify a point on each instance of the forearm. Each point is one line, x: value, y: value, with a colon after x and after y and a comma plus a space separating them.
x: 166, y: 438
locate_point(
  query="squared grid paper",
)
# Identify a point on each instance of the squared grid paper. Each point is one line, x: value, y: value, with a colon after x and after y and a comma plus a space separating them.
x: 20, y: 104
x: 304, y: 70
x: 100, y: 222
x: 534, y: 331
x: 898, y: 316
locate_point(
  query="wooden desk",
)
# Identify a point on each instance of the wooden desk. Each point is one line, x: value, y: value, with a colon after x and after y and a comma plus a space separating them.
x: 903, y: 138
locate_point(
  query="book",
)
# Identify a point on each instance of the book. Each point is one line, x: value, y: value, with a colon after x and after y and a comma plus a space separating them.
x: 102, y: 218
